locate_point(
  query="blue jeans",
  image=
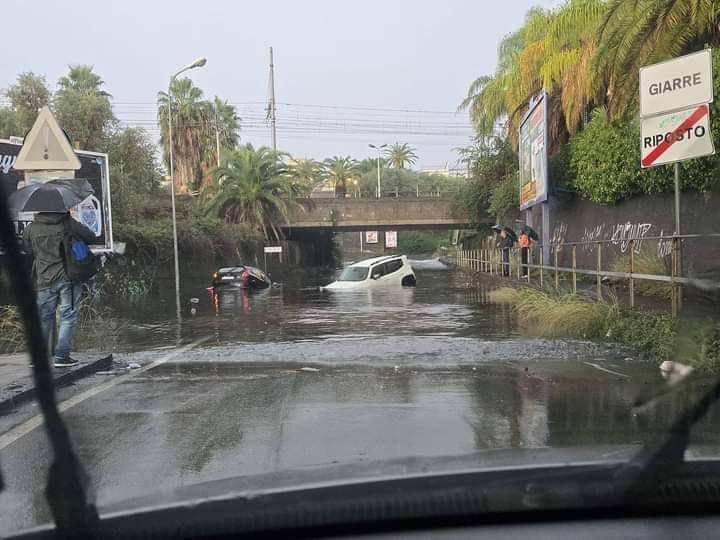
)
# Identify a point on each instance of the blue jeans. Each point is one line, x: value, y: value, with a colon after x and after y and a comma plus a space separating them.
x: 47, y: 300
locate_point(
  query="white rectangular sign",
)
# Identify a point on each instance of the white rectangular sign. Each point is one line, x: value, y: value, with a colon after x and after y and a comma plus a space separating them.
x: 371, y: 237
x: 391, y: 239
x: 675, y: 136
x: 273, y: 249
x: 676, y: 84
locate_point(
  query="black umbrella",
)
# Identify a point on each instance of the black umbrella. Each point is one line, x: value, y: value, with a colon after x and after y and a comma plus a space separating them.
x: 532, y: 233
x: 52, y: 196
x: 510, y: 233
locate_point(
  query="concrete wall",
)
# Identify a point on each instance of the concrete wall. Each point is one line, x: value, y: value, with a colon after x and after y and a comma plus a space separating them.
x: 371, y: 214
x: 575, y: 220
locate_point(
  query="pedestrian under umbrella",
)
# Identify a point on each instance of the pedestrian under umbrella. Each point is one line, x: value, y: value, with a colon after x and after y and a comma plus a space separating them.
x: 52, y: 196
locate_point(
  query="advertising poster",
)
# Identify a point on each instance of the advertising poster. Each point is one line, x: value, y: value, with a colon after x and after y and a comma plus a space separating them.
x: 94, y: 211
x: 371, y: 237
x: 533, y: 155
x: 391, y: 239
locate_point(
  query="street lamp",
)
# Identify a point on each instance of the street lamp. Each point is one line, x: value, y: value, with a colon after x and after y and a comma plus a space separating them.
x: 379, y: 151
x: 200, y: 62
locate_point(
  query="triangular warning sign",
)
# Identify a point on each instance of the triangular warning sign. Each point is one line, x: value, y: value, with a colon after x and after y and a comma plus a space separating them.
x: 46, y: 147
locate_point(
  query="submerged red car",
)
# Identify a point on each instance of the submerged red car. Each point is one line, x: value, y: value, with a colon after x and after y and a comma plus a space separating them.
x: 245, y: 277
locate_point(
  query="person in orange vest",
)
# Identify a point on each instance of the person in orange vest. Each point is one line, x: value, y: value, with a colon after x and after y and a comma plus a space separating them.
x: 525, y: 243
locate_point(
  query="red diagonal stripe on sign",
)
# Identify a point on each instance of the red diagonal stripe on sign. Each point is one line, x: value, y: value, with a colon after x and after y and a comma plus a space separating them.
x: 661, y: 148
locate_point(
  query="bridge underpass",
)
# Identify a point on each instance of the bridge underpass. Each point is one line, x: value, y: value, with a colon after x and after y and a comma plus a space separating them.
x: 375, y: 214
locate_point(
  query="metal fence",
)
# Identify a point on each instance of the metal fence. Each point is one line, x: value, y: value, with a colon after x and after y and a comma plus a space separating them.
x: 489, y: 259
x: 415, y: 192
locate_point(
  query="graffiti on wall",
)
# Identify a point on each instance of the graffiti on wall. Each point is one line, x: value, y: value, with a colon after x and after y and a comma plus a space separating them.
x: 625, y: 233
x: 664, y: 246
x: 592, y: 234
x: 558, y: 237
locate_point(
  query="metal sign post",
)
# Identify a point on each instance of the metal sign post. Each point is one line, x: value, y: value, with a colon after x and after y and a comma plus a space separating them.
x: 675, y: 124
x: 675, y: 116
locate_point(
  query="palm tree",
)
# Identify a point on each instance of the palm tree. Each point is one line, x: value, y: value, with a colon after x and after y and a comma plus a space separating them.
x: 221, y: 116
x: 82, y: 78
x: 339, y: 170
x: 83, y: 108
x: 191, y: 121
x: 252, y: 186
x: 633, y: 34
x: 305, y: 175
x: 551, y: 51
x: 400, y: 155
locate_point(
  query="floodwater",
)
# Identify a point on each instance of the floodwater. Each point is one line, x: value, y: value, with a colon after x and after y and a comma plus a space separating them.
x: 283, y: 386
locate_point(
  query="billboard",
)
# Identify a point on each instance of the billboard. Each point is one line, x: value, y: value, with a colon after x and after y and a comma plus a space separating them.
x: 95, y: 211
x: 533, y: 154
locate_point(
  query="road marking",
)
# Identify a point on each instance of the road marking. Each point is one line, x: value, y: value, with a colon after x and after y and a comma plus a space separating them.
x: 610, y: 371
x: 689, y: 122
x: 6, y: 439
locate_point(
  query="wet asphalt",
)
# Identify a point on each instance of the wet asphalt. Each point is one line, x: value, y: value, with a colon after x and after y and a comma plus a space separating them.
x: 341, y: 382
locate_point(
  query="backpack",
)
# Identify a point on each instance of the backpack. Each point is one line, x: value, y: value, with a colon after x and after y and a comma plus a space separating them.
x: 79, y: 262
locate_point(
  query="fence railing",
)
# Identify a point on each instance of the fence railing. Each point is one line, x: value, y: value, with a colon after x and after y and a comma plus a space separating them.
x: 528, y: 264
x: 416, y: 192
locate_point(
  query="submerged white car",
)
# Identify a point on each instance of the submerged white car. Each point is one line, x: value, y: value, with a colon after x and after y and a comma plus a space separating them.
x: 379, y: 271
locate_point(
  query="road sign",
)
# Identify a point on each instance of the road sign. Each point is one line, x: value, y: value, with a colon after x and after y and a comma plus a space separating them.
x: 676, y: 136
x: 679, y: 83
x: 46, y: 147
x: 273, y: 249
x: 391, y: 239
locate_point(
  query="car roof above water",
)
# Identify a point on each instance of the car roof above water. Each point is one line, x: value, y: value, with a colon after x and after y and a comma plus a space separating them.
x: 374, y: 260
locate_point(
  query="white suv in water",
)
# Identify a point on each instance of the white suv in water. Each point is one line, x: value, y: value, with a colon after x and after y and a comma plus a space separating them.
x: 380, y: 271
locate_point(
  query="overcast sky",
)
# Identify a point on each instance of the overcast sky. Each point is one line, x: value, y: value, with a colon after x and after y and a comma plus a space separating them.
x: 347, y: 73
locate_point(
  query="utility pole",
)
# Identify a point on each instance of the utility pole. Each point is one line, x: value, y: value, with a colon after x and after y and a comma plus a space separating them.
x: 217, y: 134
x: 271, y: 110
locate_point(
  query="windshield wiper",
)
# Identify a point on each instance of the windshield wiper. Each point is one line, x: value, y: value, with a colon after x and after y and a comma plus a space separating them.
x: 667, y: 450
x: 67, y: 490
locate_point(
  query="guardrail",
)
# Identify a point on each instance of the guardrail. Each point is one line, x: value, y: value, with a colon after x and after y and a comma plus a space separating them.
x: 511, y: 262
x: 417, y: 193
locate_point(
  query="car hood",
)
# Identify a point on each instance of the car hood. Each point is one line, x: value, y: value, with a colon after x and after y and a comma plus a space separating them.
x: 364, y: 471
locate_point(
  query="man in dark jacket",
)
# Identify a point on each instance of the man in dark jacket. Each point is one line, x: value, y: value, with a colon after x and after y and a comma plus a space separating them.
x: 43, y: 240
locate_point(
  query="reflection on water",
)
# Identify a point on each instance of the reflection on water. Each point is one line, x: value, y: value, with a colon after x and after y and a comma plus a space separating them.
x: 442, y: 338
x: 299, y: 309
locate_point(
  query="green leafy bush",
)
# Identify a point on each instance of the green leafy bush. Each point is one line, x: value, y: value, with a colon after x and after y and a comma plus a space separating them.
x: 605, y: 161
x: 655, y: 335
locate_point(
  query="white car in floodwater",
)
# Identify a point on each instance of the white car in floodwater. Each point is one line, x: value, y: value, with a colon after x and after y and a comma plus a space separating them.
x: 376, y: 272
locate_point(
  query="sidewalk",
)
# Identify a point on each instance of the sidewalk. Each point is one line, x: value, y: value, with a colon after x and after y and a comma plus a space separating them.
x: 17, y: 384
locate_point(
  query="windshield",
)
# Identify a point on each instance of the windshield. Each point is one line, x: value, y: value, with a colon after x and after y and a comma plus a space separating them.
x: 354, y: 273
x: 532, y: 197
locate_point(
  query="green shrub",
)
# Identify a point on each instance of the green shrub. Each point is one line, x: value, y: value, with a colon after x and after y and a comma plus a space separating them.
x: 654, y: 335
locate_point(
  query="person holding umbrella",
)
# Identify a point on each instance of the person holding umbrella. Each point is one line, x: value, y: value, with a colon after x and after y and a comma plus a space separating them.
x: 44, y: 240
x: 528, y: 237
x: 505, y: 243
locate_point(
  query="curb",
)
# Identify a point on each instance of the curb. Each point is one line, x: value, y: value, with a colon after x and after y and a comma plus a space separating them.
x: 23, y: 390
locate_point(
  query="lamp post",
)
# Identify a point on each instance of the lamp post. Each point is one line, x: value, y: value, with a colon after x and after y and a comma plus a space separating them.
x: 379, y: 151
x: 200, y: 62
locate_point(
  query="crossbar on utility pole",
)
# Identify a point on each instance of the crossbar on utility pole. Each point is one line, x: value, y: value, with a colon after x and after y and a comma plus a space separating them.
x: 272, y: 101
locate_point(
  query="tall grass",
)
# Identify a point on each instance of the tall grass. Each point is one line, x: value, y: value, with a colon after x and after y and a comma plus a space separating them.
x: 97, y: 327
x: 660, y: 337
x: 12, y: 334
x: 565, y: 315
x: 651, y: 264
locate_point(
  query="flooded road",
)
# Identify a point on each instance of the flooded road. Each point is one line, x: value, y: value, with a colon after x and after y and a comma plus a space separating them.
x: 295, y: 381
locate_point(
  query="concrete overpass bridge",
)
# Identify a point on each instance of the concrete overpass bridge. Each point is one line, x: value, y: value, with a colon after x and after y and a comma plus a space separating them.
x: 350, y: 214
